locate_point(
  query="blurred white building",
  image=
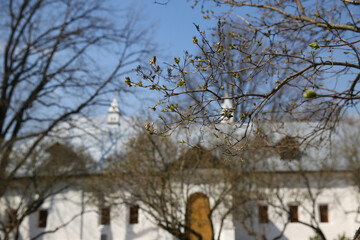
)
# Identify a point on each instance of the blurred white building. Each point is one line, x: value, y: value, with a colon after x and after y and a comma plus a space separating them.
x: 67, y: 215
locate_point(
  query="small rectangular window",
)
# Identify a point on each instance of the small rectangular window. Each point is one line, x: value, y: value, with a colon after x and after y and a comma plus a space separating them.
x: 324, y: 213
x: 43, y: 214
x: 134, y: 214
x: 293, y: 213
x: 263, y: 214
x: 105, y: 216
x: 11, y: 217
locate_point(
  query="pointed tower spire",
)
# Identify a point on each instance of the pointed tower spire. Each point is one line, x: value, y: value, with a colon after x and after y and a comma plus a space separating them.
x: 113, y: 117
x: 227, y: 110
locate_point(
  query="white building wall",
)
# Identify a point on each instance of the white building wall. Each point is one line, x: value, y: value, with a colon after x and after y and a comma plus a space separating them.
x: 65, y: 211
x: 343, y: 202
x: 343, y: 205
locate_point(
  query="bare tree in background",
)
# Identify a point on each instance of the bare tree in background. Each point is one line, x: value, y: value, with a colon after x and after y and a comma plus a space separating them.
x: 59, y: 59
x: 164, y: 178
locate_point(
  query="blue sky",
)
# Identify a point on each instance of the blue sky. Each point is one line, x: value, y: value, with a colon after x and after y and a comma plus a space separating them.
x: 174, y: 25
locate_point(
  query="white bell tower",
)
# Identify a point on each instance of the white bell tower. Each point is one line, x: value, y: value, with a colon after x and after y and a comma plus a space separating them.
x: 113, y: 117
x: 227, y: 107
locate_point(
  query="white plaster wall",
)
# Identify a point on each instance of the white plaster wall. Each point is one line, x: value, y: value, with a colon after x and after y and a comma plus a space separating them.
x: 342, y: 199
x: 67, y: 206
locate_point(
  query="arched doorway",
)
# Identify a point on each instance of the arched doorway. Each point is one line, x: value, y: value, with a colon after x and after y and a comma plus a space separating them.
x: 198, y: 223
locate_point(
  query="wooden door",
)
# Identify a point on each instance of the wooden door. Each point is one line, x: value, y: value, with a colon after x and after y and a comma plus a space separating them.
x: 197, y: 217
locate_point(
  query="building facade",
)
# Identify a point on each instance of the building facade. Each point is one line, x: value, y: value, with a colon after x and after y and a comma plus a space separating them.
x: 283, y: 200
